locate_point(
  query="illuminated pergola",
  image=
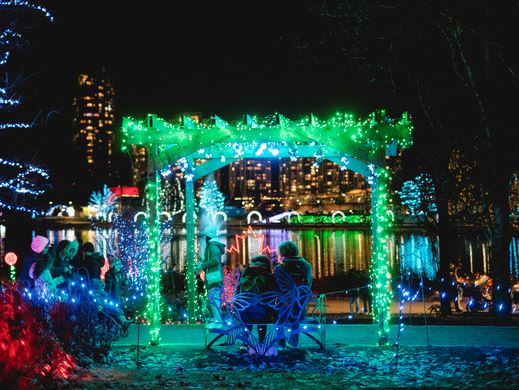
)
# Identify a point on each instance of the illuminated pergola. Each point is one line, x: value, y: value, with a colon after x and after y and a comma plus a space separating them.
x: 358, y: 145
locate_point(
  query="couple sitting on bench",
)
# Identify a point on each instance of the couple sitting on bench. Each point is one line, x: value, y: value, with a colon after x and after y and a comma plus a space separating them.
x: 260, y: 296
x: 257, y: 278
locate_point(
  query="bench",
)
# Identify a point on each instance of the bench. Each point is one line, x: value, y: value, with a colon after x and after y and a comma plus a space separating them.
x: 296, y: 311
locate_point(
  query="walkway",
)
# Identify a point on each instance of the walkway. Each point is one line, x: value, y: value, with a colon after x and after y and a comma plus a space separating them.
x: 355, y: 334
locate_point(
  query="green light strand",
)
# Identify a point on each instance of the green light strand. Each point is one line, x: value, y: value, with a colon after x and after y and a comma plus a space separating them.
x: 328, y: 219
x: 154, y: 305
x: 191, y: 283
x: 380, y: 278
x: 342, y: 131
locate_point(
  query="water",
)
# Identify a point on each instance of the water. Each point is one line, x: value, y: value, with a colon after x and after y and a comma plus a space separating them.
x: 330, y: 251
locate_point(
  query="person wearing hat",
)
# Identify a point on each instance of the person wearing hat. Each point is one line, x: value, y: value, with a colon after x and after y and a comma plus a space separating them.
x: 299, y: 270
x: 211, y: 264
x: 39, y: 249
x: 44, y: 284
x: 257, y: 278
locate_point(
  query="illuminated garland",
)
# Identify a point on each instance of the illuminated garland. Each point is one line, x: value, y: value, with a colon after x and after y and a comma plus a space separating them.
x: 514, y: 200
x: 240, y: 238
x: 23, y: 209
x: 28, y: 5
x: 132, y: 250
x: 9, y: 102
x: 328, y: 219
x: 172, y: 198
x: 381, y: 228
x: 153, y: 309
x: 5, y: 126
x: 340, y: 132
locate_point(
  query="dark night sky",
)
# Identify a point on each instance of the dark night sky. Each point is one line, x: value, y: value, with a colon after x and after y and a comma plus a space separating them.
x: 226, y: 58
x: 211, y: 57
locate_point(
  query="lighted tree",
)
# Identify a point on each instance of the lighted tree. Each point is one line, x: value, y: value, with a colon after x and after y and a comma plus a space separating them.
x: 18, y: 180
x: 103, y: 202
x: 211, y: 199
x: 172, y: 196
x: 418, y: 195
x: 420, y: 254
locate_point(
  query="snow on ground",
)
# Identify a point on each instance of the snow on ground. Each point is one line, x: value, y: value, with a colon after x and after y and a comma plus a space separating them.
x: 338, y: 367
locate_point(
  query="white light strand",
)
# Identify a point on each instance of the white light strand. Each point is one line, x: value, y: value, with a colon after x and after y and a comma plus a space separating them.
x: 28, y: 5
x: 5, y: 126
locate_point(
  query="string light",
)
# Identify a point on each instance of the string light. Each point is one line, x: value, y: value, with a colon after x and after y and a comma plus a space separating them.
x: 28, y: 5
x: 381, y: 228
x: 340, y: 131
x: 239, y: 238
x: 242, y: 139
x: 21, y: 183
x: 419, y: 196
x: 5, y: 126
x: 9, y: 102
x: 153, y: 309
x: 344, y: 163
x: 211, y: 199
x: 103, y: 202
x: 23, y: 209
x: 328, y: 219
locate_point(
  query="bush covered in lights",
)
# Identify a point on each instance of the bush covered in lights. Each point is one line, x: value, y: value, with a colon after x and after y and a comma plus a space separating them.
x: 30, y: 354
x: 83, y: 319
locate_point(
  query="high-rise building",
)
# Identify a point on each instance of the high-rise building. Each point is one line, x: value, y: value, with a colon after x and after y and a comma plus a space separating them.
x: 93, y: 126
x: 281, y: 184
x: 277, y: 184
x: 139, y: 156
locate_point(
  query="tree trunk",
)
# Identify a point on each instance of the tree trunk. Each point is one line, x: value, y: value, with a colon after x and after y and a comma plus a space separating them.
x: 500, y: 264
x: 447, y: 237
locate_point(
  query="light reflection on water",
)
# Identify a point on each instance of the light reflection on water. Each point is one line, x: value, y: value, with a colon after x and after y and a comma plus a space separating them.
x: 329, y: 251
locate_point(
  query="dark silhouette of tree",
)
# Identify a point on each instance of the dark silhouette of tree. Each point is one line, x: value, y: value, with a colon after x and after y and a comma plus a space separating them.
x: 454, y: 65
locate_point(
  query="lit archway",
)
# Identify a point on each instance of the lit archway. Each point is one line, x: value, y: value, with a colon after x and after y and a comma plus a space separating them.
x: 338, y: 212
x: 358, y: 145
x: 251, y: 214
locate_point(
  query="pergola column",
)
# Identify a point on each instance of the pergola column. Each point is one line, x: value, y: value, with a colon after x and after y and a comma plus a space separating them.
x: 153, y: 308
x: 380, y: 277
x: 192, y: 306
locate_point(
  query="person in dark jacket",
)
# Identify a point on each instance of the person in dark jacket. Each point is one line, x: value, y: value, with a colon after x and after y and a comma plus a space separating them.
x: 257, y: 278
x: 91, y: 269
x: 211, y: 264
x: 296, y: 266
x: 299, y: 270
x: 93, y: 261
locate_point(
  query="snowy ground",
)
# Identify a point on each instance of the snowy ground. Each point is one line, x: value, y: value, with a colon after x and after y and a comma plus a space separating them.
x: 459, y: 357
x: 338, y: 367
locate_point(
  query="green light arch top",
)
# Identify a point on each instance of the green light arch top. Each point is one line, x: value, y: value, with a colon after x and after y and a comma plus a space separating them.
x: 364, y: 140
